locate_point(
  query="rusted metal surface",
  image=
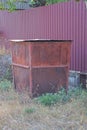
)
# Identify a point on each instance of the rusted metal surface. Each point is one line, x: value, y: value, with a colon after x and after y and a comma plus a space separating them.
x: 48, y: 80
x: 20, y: 54
x: 40, y: 66
x: 50, y: 54
x: 21, y: 78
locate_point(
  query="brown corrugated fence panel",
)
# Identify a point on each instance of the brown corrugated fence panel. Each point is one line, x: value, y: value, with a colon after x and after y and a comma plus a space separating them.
x: 66, y: 21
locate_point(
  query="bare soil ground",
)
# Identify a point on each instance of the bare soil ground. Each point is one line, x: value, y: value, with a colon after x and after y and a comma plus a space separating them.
x: 19, y: 112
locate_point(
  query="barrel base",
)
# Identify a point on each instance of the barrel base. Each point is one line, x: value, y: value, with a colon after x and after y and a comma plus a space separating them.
x: 42, y: 80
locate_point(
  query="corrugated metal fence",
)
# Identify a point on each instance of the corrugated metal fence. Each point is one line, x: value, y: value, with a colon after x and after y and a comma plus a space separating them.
x: 66, y: 21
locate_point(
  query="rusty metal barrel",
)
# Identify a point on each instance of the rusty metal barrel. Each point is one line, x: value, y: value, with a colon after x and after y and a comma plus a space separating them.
x: 40, y: 66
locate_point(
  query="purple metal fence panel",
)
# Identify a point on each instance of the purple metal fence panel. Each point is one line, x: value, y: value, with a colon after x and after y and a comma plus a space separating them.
x: 85, y: 44
x: 66, y: 21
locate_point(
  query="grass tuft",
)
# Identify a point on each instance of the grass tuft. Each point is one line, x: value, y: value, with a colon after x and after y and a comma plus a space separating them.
x: 29, y: 110
x: 5, y: 85
x: 61, y: 97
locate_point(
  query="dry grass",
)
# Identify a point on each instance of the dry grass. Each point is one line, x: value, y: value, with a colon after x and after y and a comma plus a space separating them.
x: 19, y: 112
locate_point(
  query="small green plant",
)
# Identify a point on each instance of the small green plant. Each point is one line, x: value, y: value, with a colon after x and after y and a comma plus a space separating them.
x: 8, y: 74
x: 61, y: 97
x: 83, y: 98
x: 51, y: 98
x: 5, y: 84
x: 48, y: 99
x: 29, y: 110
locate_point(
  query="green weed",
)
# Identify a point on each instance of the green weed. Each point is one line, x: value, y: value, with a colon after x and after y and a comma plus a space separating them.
x: 29, y: 110
x: 5, y: 84
x: 61, y: 97
x: 8, y: 74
